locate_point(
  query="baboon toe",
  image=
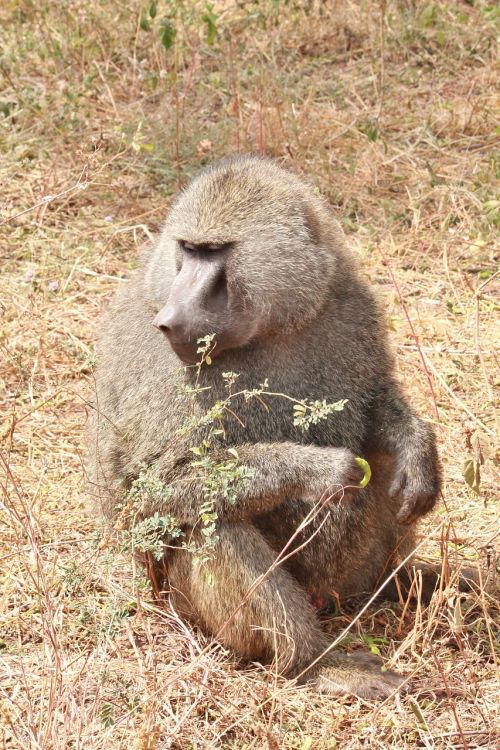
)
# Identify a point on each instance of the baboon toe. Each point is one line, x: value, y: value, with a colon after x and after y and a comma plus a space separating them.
x: 361, y: 675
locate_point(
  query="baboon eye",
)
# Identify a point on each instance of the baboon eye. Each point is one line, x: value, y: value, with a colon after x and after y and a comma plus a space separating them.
x: 188, y: 246
x: 215, y: 247
x: 204, y: 247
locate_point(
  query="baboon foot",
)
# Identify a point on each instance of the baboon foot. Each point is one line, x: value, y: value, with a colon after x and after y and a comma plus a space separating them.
x: 359, y: 674
x: 468, y: 580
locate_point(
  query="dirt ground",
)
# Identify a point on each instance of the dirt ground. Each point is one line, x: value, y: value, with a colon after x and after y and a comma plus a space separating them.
x: 391, y: 109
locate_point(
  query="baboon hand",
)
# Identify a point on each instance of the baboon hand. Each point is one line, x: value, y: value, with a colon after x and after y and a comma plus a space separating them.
x: 336, y: 474
x: 418, y: 490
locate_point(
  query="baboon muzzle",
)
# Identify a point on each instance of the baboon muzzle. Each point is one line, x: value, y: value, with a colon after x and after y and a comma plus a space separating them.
x: 198, y: 305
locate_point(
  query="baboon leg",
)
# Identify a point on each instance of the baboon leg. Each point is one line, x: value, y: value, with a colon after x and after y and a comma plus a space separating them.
x: 350, y: 547
x: 359, y: 566
x: 400, y: 586
x: 326, y: 559
x: 431, y: 576
x: 275, y: 619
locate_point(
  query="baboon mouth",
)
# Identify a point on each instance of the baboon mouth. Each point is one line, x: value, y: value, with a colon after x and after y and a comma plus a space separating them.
x: 189, y: 354
x: 188, y: 351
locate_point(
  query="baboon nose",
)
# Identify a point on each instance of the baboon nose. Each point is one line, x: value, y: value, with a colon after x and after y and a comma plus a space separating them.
x: 165, y: 320
x: 174, y: 322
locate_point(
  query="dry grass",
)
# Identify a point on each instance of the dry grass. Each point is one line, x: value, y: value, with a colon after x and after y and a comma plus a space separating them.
x: 390, y: 108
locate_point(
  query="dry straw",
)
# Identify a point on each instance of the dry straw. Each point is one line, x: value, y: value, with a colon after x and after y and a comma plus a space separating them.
x: 105, y: 109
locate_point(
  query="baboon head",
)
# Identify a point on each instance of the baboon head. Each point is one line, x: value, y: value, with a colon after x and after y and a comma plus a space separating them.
x: 245, y: 246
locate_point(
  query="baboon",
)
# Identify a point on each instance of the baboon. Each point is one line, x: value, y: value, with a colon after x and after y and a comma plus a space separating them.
x: 249, y: 252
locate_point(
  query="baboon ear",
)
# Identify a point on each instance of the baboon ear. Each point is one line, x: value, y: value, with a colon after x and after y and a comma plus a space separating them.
x: 313, y: 223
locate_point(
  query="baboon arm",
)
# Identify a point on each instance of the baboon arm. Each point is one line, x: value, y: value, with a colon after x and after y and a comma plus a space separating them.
x: 401, y: 433
x: 279, y: 471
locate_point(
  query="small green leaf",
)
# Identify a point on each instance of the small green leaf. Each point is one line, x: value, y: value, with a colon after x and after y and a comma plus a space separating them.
x: 167, y: 33
x: 366, y: 468
x: 472, y: 474
x: 208, y: 359
x: 144, y: 23
x: 5, y: 108
x: 492, y: 208
x: 153, y: 9
x: 429, y: 15
x: 418, y: 714
x: 107, y: 715
x: 210, y: 19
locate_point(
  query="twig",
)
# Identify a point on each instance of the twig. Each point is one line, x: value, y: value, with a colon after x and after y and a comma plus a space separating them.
x: 413, y: 333
x: 456, y: 398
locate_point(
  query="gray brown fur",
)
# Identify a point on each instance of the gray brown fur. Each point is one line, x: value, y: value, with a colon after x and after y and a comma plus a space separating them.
x: 318, y: 335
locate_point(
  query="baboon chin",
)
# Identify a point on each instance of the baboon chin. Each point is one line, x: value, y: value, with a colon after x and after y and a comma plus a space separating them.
x: 251, y: 257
